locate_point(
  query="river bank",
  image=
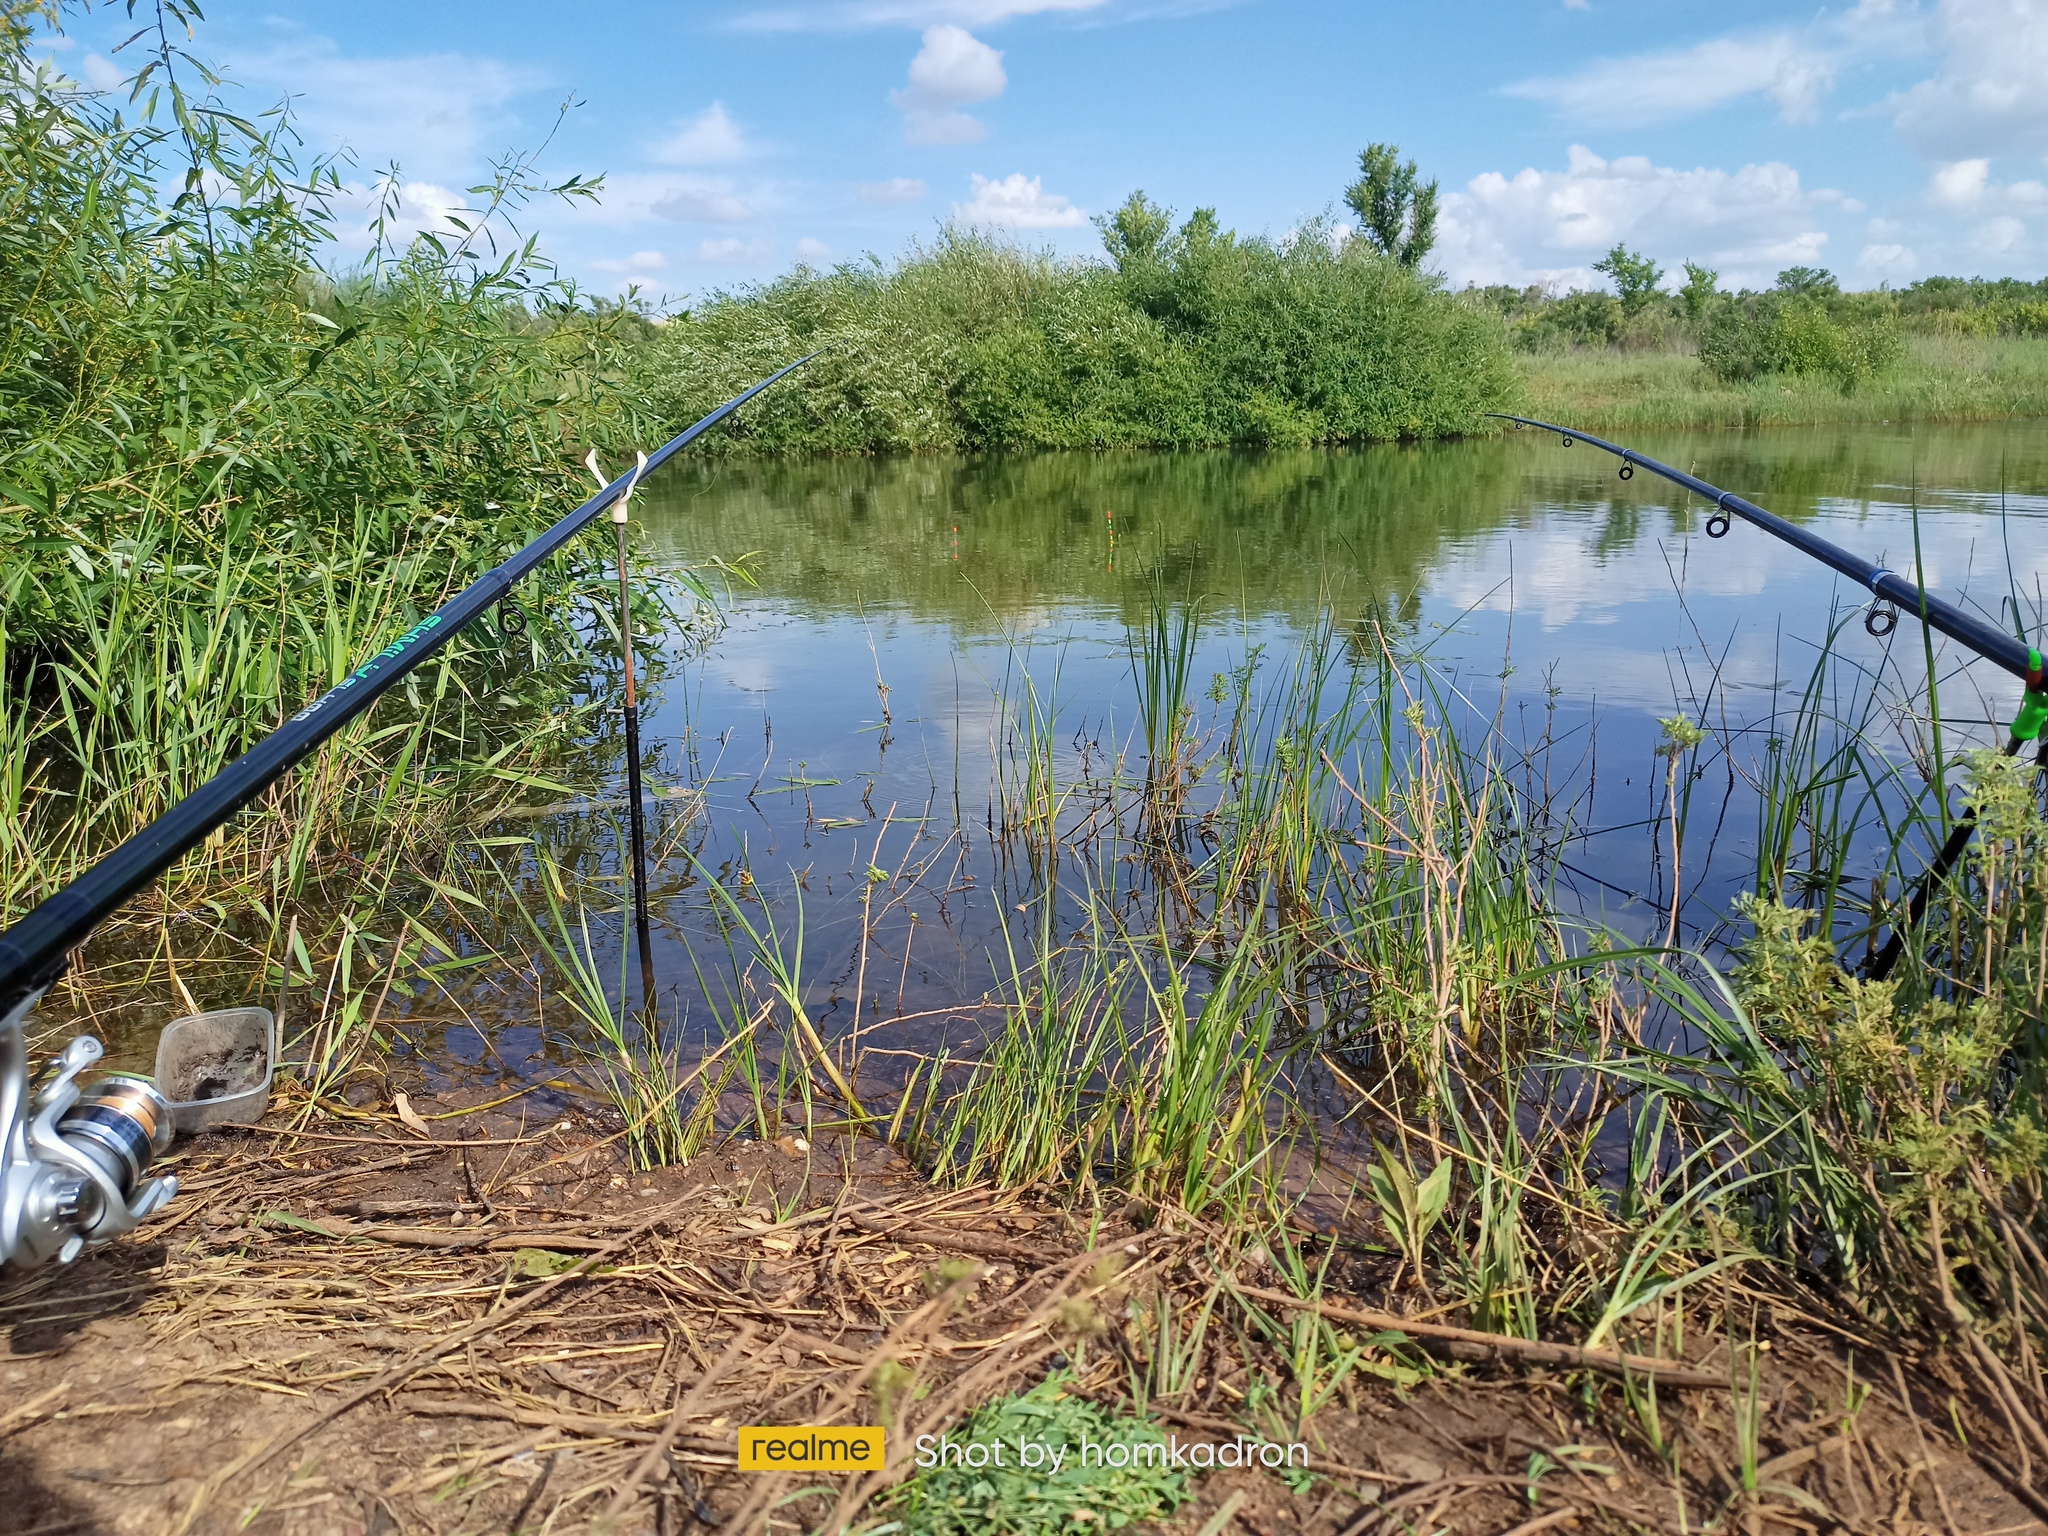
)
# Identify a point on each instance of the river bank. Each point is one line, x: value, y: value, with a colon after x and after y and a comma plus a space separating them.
x: 505, y: 1327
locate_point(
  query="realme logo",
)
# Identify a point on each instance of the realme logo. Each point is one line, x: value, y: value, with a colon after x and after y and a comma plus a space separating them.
x: 804, y: 1449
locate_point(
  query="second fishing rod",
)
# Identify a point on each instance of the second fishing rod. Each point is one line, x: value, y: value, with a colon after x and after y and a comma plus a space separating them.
x: 1894, y: 594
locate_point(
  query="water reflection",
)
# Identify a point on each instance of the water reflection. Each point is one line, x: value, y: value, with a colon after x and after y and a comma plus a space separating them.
x: 898, y: 598
x: 849, y: 719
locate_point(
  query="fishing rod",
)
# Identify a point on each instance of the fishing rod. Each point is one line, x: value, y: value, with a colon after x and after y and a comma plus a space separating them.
x: 72, y: 1160
x: 1893, y: 593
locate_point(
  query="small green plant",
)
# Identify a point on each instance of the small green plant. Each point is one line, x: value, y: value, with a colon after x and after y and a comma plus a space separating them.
x: 1059, y: 1491
x: 1746, y: 1403
x: 1409, y: 1209
x: 1498, y: 1287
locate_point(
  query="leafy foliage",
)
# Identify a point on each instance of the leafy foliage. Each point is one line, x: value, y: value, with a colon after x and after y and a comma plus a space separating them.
x: 1749, y: 337
x: 1889, y: 1134
x: 1807, y: 283
x: 1396, y: 207
x: 951, y: 1500
x: 1192, y: 336
x: 1702, y: 287
x: 226, y: 475
x: 1635, y: 277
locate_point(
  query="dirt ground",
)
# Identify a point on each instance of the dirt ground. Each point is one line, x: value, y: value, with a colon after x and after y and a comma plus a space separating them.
x: 358, y: 1329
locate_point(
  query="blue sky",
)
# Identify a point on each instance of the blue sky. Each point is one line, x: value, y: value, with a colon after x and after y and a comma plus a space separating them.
x: 1885, y: 140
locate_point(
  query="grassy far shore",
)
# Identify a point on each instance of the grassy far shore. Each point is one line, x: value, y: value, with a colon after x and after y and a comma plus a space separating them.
x: 1935, y: 379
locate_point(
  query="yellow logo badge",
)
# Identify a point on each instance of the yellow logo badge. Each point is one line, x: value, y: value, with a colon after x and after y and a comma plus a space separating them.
x: 806, y: 1449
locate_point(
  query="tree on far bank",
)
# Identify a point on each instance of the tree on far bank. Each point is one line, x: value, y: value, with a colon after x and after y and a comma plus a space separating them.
x: 1635, y: 277
x: 1807, y: 283
x: 1134, y: 234
x: 1395, y: 207
x: 1702, y: 285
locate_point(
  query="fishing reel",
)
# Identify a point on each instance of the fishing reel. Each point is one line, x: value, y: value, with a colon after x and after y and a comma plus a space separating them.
x: 73, y: 1160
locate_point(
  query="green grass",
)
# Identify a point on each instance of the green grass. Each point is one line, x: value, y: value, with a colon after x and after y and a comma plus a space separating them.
x: 1937, y: 379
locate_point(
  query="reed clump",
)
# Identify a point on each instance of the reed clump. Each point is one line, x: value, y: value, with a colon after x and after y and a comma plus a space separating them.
x: 1344, y: 997
x: 231, y: 468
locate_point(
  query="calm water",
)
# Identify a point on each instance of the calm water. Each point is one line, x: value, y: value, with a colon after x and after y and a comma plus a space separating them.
x: 834, y: 743
x: 843, y: 721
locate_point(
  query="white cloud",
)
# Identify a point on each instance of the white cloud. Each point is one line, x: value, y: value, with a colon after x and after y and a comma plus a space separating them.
x: 409, y: 209
x: 1996, y: 237
x: 638, y: 263
x: 811, y: 250
x: 733, y: 251
x: 1966, y: 220
x: 435, y: 114
x: 1661, y: 87
x: 702, y: 203
x: 100, y: 73
x: 1962, y: 183
x: 1550, y: 226
x: 709, y: 138
x: 943, y: 128
x: 1967, y: 185
x: 952, y: 69
x: 633, y: 198
x: 1887, y: 259
x: 1017, y: 202
x: 897, y: 189
x: 1988, y: 97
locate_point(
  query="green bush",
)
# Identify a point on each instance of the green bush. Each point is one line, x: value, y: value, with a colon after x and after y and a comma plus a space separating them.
x: 1189, y: 337
x: 1749, y: 337
x: 1999, y: 317
x: 1575, y: 320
